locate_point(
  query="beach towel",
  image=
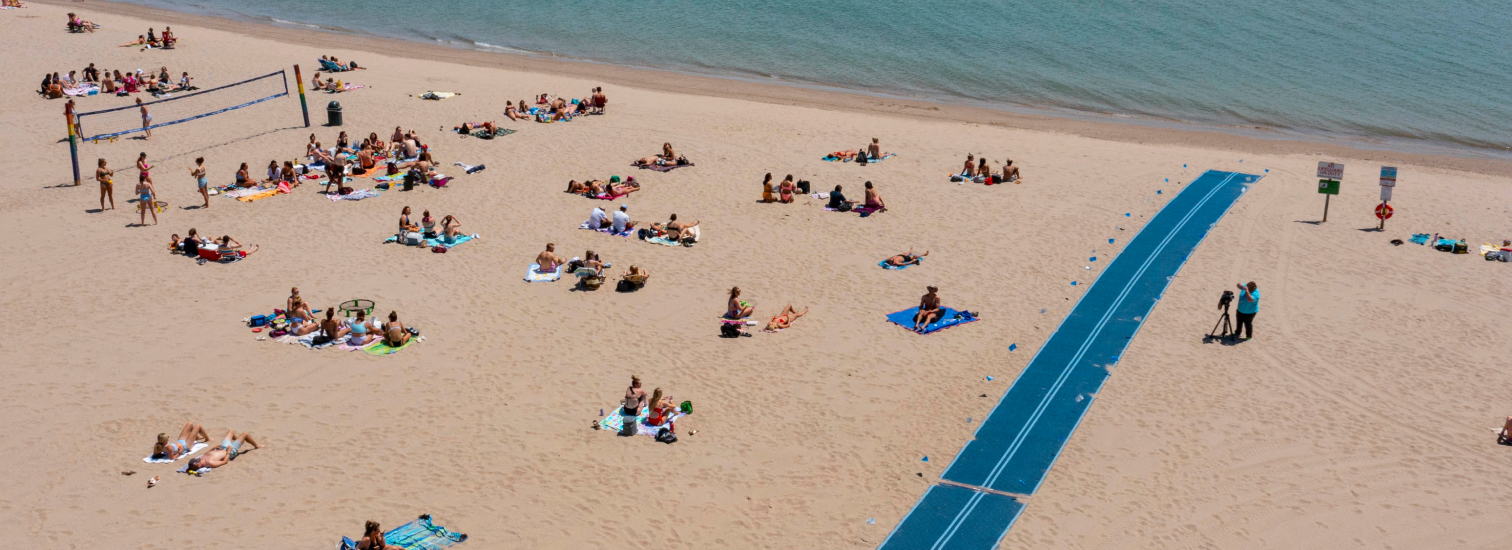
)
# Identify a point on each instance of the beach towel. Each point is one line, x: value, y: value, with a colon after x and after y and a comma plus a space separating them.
x: 534, y: 275
x: 885, y: 156
x: 436, y: 96
x: 82, y: 90
x: 664, y: 167
x: 196, y: 448
x: 420, y: 534
x: 346, y: 344
x: 905, y: 319
x: 354, y: 195
x: 616, y: 421
x: 885, y: 265
x: 382, y: 348
x: 348, y: 87
x: 258, y: 196
x: 608, y: 230
x: 185, y: 470
x: 1488, y: 247
x: 1419, y: 238
x: 438, y: 241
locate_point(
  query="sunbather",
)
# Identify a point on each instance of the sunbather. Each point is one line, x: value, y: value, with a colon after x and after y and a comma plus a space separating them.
x: 873, y: 200
x: 288, y: 175
x: 580, y: 187
x: 676, y: 230
x: 75, y: 23
x: 636, y: 275
x: 1505, y: 436
x: 428, y: 224
x: 621, y: 220
x: 929, y: 310
x: 405, y: 225
x: 906, y: 258
x: 599, y: 100
x: 301, y: 320
x: 469, y: 127
x: 361, y: 330
x: 394, y: 333
x: 837, y: 200
x: 617, y: 188
x: 229, y: 448
x: 450, y: 228
x: 969, y: 171
x: 372, y: 538
x: 662, y: 408
x: 332, y: 328
x: 635, y: 398
x: 785, y: 319
x: 847, y: 154
x: 171, y: 450
x: 1010, y: 172
x: 243, y: 179
x: 293, y: 297
x: 767, y: 193
x: 548, y: 260
x: 229, y: 245
x: 984, y: 171
x: 272, y: 173
x: 513, y: 113
x: 785, y: 190
x: 737, y: 309
x: 874, y: 150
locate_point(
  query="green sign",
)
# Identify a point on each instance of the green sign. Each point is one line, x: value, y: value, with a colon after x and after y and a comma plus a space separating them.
x: 1328, y: 187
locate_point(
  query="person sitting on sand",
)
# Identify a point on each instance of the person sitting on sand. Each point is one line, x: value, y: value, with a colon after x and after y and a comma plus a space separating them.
x: 969, y: 171
x: 1504, y: 437
x: 188, y: 245
x: 767, y: 194
x: 191, y: 433
x: 786, y: 190
x: 152, y: 39
x: 513, y: 113
x: 874, y: 150
x: 469, y: 127
x: 621, y: 220
x: 736, y: 308
x: 394, y: 333
x: 676, y: 230
x: 315, y: 83
x: 229, y: 448
x: 75, y: 23
x: 906, y: 258
x: 451, y: 227
x: 301, y: 320
x: 288, y: 175
x: 372, y: 538
x: 785, y: 319
x: 293, y: 297
x: 599, y: 100
x: 365, y: 161
x: 873, y: 200
x: 929, y: 310
x: 332, y: 328
x: 1010, y: 172
x: 598, y: 219
x: 273, y: 172
x: 662, y: 408
x: 983, y: 171
x: 405, y: 225
x: 837, y: 200
x: 243, y: 179
x: 55, y: 89
x: 229, y: 245
x: 548, y: 260
x: 635, y: 398
x: 360, y: 330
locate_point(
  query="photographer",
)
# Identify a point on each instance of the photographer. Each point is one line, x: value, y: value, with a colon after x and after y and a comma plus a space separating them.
x: 1249, y: 305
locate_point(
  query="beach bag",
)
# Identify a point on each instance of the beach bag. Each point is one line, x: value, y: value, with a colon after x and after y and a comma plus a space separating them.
x: 686, y: 407
x: 666, y: 436
x: 843, y: 207
x: 642, y: 233
x: 438, y: 249
x: 321, y: 340
x: 1460, y: 248
x: 258, y: 321
x: 803, y: 186
x: 344, y: 190
x: 997, y: 179
x: 411, y: 238
x: 861, y: 158
x: 956, y: 179
x: 728, y: 330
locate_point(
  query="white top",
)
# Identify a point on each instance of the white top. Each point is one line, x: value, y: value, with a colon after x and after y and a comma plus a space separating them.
x: 596, y: 220
x: 620, y: 219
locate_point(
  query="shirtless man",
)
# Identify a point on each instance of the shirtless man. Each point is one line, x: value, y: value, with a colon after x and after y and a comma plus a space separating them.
x: 229, y: 448
x: 599, y: 100
x: 172, y: 450
x: 548, y: 260
x: 906, y: 258
x: 675, y: 229
x: 929, y: 310
x: 1010, y: 172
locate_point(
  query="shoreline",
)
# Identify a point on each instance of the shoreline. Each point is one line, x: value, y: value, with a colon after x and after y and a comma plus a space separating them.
x: 1140, y: 131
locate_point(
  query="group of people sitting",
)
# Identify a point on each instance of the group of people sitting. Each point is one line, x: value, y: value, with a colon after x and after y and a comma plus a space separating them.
x: 614, y: 188
x: 191, y: 245
x: 548, y: 261
x: 620, y: 222
x: 192, y: 433
x: 54, y: 85
x: 662, y: 408
x: 872, y: 200
x: 151, y: 40
x: 75, y: 24
x: 403, y: 152
x: 870, y: 153
x: 411, y: 234
x: 548, y: 109
x: 358, y: 330
x: 737, y: 309
x: 980, y: 172
x: 668, y: 157
x: 331, y: 64
x: 330, y: 84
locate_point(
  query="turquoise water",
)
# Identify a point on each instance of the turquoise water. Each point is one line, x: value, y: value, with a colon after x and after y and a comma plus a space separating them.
x: 1388, y: 73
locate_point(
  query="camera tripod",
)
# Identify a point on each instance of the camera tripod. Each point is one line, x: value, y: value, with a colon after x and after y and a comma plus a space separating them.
x: 1228, y: 327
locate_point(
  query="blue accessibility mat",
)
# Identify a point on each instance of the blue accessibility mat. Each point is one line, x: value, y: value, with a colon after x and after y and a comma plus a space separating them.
x: 951, y: 318
x: 420, y: 534
x: 1015, y: 446
x: 961, y: 517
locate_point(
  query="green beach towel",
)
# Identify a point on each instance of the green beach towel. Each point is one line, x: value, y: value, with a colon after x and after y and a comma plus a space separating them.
x: 382, y: 348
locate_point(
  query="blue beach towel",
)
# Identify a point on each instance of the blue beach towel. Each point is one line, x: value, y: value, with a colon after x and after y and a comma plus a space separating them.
x: 905, y: 319
x: 442, y: 243
x: 884, y: 265
x: 1419, y: 238
x: 420, y: 534
x: 533, y: 274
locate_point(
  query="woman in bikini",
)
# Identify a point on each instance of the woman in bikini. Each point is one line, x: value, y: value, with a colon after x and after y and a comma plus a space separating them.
x: 332, y: 328
x: 873, y: 200
x: 428, y: 224
x: 191, y: 434
x: 103, y: 175
x: 766, y: 189
x: 146, y: 198
x: 301, y: 320
x: 198, y: 173
x: 785, y: 319
x: 394, y: 333
x: 360, y: 328
x: 287, y: 174
x: 737, y: 309
x: 378, y: 145
x: 372, y: 538
x: 984, y: 172
x: 785, y: 190
x: 244, y: 180
x: 969, y: 171
x: 662, y: 408
x: 227, y: 247
x: 512, y: 113
x: 146, y: 119
x: 667, y: 153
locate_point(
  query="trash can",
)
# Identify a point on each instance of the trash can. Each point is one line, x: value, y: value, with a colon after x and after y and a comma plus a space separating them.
x: 333, y: 114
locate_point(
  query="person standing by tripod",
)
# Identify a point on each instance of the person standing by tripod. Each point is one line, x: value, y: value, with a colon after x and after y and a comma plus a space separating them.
x: 1249, y: 305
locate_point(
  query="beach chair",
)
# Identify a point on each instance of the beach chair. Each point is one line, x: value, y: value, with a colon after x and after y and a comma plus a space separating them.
x: 215, y: 255
x: 588, y: 278
x: 631, y: 283
x: 331, y: 67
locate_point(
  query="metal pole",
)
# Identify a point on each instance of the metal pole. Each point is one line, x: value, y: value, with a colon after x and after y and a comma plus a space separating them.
x: 1325, y: 206
x: 1385, y: 204
x: 73, y: 139
x: 299, y: 83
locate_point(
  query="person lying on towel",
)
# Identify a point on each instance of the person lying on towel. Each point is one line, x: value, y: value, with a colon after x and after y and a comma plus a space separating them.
x: 906, y: 258
x: 785, y: 319
x: 469, y: 127
x: 171, y: 450
x: 229, y: 448
x: 929, y: 310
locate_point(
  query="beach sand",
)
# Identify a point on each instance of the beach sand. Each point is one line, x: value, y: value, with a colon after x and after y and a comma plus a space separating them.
x: 1362, y: 415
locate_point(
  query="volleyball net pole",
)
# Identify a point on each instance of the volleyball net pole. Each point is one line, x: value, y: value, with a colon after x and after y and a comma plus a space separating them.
x: 299, y: 84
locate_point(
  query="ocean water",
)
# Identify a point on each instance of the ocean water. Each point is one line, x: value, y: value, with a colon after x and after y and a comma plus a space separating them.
x: 1430, y: 76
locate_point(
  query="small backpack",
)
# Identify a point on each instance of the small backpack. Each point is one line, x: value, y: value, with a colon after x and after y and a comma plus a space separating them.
x: 666, y: 436
x: 728, y: 330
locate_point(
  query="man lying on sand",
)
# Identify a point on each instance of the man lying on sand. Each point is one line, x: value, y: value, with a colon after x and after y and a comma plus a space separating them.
x: 906, y: 258
x: 223, y: 454
x: 468, y: 127
x: 191, y: 434
x: 929, y: 310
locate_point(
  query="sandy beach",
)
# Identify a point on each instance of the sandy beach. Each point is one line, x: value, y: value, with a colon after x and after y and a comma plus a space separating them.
x: 1363, y: 414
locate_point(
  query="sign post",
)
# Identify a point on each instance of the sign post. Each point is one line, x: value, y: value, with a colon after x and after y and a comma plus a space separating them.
x: 1388, y: 182
x: 1329, y: 174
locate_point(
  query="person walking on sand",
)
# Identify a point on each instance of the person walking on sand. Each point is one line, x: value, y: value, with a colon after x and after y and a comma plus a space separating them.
x: 198, y: 173
x: 103, y: 175
x: 146, y: 199
x: 635, y: 399
x: 1249, y: 305
x: 929, y: 310
x: 146, y: 120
